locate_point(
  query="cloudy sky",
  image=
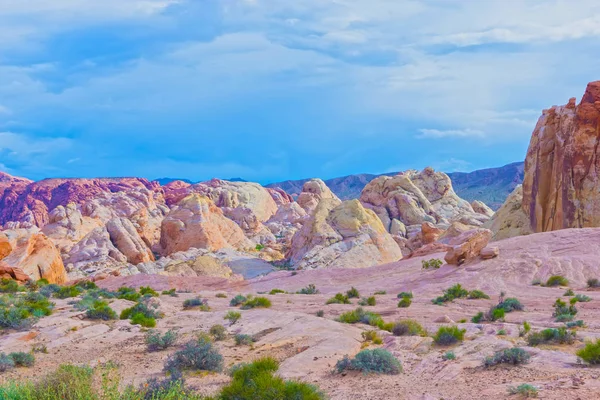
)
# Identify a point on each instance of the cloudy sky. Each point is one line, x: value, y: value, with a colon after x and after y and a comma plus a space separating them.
x: 276, y: 89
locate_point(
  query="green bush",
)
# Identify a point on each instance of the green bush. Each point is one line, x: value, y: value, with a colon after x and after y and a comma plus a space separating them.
x: 477, y: 294
x: 551, y: 335
x: 569, y: 293
x: 525, y: 330
x: 320, y: 313
x: 593, y: 283
x: 367, y: 301
x: 148, y: 291
x: 100, y: 310
x: 510, y: 304
x: 524, y: 390
x: 447, y: 335
x: 449, y: 355
x: 195, y: 355
x: 275, y: 291
x: 6, y: 362
x: 259, y: 247
x: 10, y: 286
x: 514, y: 356
x: 218, y: 332
x: 237, y: 300
x: 49, y: 290
x: 353, y: 293
x: 479, y: 317
x: 22, y: 359
x: 66, y: 292
x: 140, y: 308
x: 127, y: 293
x: 454, y: 292
x: 222, y: 295
x: 171, y: 292
x: 243, y: 339
x: 562, y: 312
x: 310, y: 289
x: 590, y: 353
x: 362, y: 316
x: 497, y: 314
x: 408, y: 327
x: 377, y: 361
x: 403, y: 295
x: 339, y: 298
x: 143, y: 320
x: 256, y: 302
x: 232, y: 316
x: 372, y: 336
x: 256, y: 381
x: 20, y: 312
x: 583, y: 298
x: 380, y: 292
x: 575, y: 324
x: 155, y: 341
x: 557, y: 280
x: 501, y: 332
x: 434, y: 263
x: 404, y: 302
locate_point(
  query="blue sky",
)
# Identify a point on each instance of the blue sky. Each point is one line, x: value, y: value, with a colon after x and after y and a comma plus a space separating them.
x: 270, y: 90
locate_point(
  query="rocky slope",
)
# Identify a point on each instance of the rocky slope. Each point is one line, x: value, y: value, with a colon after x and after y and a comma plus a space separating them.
x: 308, y: 346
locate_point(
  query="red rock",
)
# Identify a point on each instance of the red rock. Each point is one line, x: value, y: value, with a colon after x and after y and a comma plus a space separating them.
x: 5, y: 246
x: 430, y: 233
x: 8, y: 272
x: 467, y: 246
x: 488, y: 253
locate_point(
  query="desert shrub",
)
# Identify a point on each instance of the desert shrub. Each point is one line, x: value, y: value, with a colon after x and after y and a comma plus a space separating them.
x: 155, y: 341
x: 497, y: 314
x: 172, y: 387
x: 171, y: 292
x: 590, y: 353
x: 320, y: 313
x: 353, y: 293
x: 479, y: 317
x: 39, y: 348
x: 127, y: 293
x: 403, y: 295
x: 405, y: 302
x: 22, y: 359
x: 583, y: 298
x: 569, y: 293
x: 510, y: 304
x: 524, y: 390
x: 339, y: 298
x: 21, y: 312
x: 380, y: 292
x: 143, y: 320
x: 514, y: 356
x: 148, y: 291
x: 536, y: 282
x: 259, y: 247
x: 232, y: 316
x: 100, y: 310
x: 310, y: 289
x: 10, y: 286
x: 562, y: 312
x: 256, y: 302
x: 49, y: 290
x: 593, y: 282
x: 525, y: 330
x: 243, y: 339
x: 66, y: 292
x: 449, y: 355
x: 237, y: 300
x: 408, y: 327
x: 196, y: 302
x: 218, y: 332
x: 87, y: 285
x: 257, y: 381
x: 367, y: 301
x: 140, y: 308
x: 551, y: 335
x: 221, y: 295
x: 477, y: 294
x: 195, y: 355
x: 362, y: 316
x: 275, y: 291
x: 454, y: 292
x: 501, y: 332
x: 575, y: 324
x: 377, y: 361
x: 557, y: 280
x: 372, y: 336
x: 434, y: 263
x: 6, y: 362
x: 447, y: 335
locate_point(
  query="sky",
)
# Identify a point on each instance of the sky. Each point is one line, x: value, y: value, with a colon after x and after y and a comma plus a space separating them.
x: 270, y: 90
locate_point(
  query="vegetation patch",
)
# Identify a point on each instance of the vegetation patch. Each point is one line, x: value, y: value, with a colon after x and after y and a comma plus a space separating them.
x: 367, y: 301
x: 448, y: 335
x: 353, y: 293
x: 339, y: 298
x: 232, y: 316
x: 256, y: 302
x: 514, y: 356
x: 524, y: 390
x: 590, y: 353
x: 551, y: 335
x: 218, y: 332
x: 408, y: 327
x: 237, y: 300
x: 434, y: 263
x: 310, y: 289
x: 195, y: 355
x: 243, y: 340
x: 377, y: 361
x: 557, y: 280
x: 276, y: 291
x: 196, y: 302
x: 156, y: 342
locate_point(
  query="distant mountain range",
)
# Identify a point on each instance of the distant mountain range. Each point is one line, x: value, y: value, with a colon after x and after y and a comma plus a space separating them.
x: 164, y: 181
x: 491, y: 185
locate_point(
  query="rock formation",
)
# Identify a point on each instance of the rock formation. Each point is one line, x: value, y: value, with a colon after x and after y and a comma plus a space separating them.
x: 467, y: 246
x: 197, y: 222
x: 510, y: 220
x: 562, y: 167
x: 125, y: 238
x: 313, y: 192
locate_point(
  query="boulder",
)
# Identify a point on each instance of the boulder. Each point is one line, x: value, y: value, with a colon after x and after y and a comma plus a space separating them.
x: 510, y: 220
x: 489, y: 252
x: 481, y: 208
x: 467, y: 246
x: 37, y: 257
x: 345, y: 235
x: 197, y: 222
x: 560, y: 188
x: 430, y: 233
x: 5, y: 246
x: 66, y: 226
x: 14, y: 273
x: 127, y: 240
x: 95, y: 250
x: 313, y: 192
